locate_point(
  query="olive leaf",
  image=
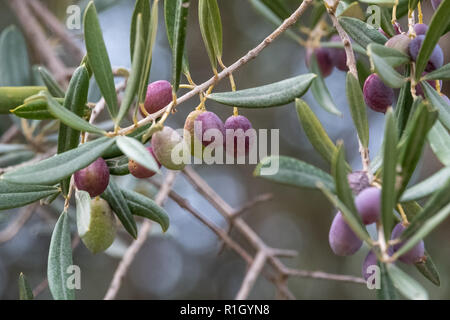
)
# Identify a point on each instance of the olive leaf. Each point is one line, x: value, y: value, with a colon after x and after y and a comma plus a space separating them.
x: 142, y: 8
x: 175, y: 14
x: 50, y: 82
x: 149, y: 43
x: 211, y: 29
x: 437, y: 102
x: 115, y: 198
x: 271, y: 95
x: 387, y: 289
x: 56, y: 168
x: 14, y: 195
x: 384, y: 69
x: 12, y: 97
x: 99, y: 59
x: 361, y: 32
x: 136, y: 151
x: 320, y: 90
x: 292, y: 172
x: 404, y: 104
x: 439, y: 140
x: 59, y: 259
x: 14, y: 64
x: 436, y: 28
x: 118, y: 167
x: 136, y: 71
x: 143, y: 206
x: 36, y: 109
x: 428, y: 269
x: 406, y: 285
x: 357, y: 108
x: 443, y: 73
x: 427, y: 186
x: 388, y: 192
x: 315, y: 131
x: 25, y: 292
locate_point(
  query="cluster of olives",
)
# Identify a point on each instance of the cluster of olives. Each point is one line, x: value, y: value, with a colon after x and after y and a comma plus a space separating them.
x: 344, y: 242
x: 377, y: 95
x: 328, y: 58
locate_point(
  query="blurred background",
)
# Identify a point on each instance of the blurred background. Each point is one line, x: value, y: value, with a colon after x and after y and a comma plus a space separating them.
x: 184, y: 263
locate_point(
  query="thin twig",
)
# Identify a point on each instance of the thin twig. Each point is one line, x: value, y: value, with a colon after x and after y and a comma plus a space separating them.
x: 12, y: 229
x: 134, y: 248
x: 251, y: 276
x: 47, y: 17
x: 37, y: 39
x: 227, y: 71
x: 324, y: 276
x: 9, y: 134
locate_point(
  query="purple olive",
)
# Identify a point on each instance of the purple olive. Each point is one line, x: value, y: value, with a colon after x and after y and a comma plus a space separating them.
x: 420, y: 28
x: 235, y: 131
x: 414, y: 255
x: 138, y: 170
x: 93, y: 179
x: 189, y: 134
x: 377, y: 95
x: 209, y: 124
x: 159, y: 95
x: 370, y: 260
x: 435, y: 3
x: 343, y: 241
x: 338, y: 56
x: 437, y: 56
x: 169, y: 148
x: 324, y: 60
x: 399, y: 42
x: 368, y: 204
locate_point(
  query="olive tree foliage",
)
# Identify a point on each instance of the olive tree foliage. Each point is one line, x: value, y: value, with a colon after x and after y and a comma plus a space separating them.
x: 41, y: 110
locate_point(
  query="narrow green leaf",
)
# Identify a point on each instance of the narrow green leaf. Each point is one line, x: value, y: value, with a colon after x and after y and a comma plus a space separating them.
x: 12, y: 97
x: 53, y: 170
x: 437, y: 102
x: 315, y: 131
x: 353, y: 222
x: 437, y: 26
x: 443, y: 73
x: 14, y: 62
x: 83, y: 202
x: 142, y: 8
x: 387, y: 289
x: 99, y: 59
x: 412, y: 4
x: 428, y: 226
x: 25, y: 292
x: 14, y: 195
x: 363, y: 72
x: 385, y: 71
x: 118, y: 167
x: 113, y: 195
x: 388, y: 191
x: 143, y: 206
x: 406, y: 285
x: 274, y: 94
x: 404, y: 104
x: 50, y: 82
x: 114, y: 151
x: 428, y: 269
x: 437, y: 202
x: 149, y: 43
x: 320, y: 90
x: 136, y: 151
x: 386, y: 23
x: 292, y: 172
x: 59, y: 259
x: 211, y: 29
x: 35, y: 110
x: 352, y: 10
x: 427, y: 186
x: 439, y: 140
x: 391, y: 56
x: 339, y: 169
x: 357, y: 108
x: 422, y: 122
x: 136, y: 71
x: 69, y: 118
x: 278, y: 7
x: 175, y: 13
x: 361, y: 32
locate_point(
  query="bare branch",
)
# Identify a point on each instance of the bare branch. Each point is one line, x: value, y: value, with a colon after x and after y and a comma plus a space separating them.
x: 134, y: 248
x: 324, y: 276
x: 251, y: 276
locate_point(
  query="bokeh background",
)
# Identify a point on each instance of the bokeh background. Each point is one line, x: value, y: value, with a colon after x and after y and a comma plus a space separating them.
x: 184, y: 262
